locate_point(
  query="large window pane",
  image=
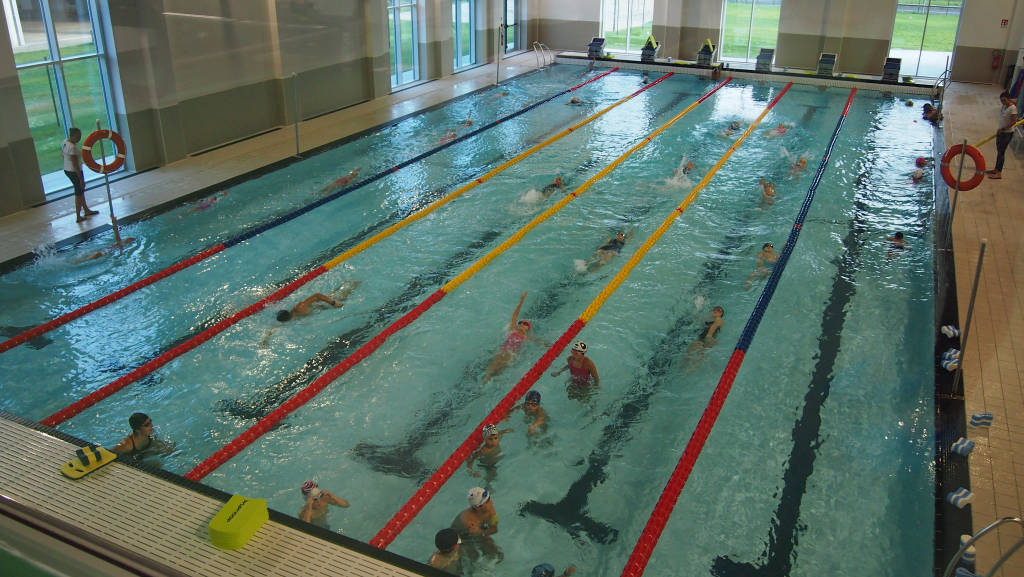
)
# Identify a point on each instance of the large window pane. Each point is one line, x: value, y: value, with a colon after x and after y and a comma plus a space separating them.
x: 407, y: 36
x: 85, y: 94
x: 28, y: 34
x: 747, y: 27
x: 924, y: 34
x: 625, y: 24
x: 39, y: 89
x: 73, y: 27
x: 512, y: 25
x: 462, y: 33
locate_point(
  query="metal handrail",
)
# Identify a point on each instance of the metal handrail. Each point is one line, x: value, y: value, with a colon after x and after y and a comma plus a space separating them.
x: 943, y: 79
x: 999, y: 563
x: 542, y: 53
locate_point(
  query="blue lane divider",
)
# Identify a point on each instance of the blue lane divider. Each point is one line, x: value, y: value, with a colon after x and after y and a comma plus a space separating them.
x: 313, y: 205
x: 769, y: 289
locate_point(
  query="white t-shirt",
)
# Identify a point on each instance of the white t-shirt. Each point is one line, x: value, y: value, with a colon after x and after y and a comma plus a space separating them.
x: 1007, y: 117
x: 70, y: 150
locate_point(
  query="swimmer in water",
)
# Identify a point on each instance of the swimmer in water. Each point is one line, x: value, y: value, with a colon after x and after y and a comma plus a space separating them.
x: 897, y: 244
x: 105, y: 251
x: 468, y: 121
x: 732, y: 129
x: 766, y: 261
x: 305, y: 306
x: 707, y: 338
x: 513, y: 343
x: 779, y: 130
x: 610, y: 249
x: 533, y: 414
x: 557, y: 184
x: 575, y: 101
x: 341, y: 182
x: 767, y: 193
x: 314, y: 510
x: 489, y: 454
x: 206, y: 203
x: 583, y: 378
x: 448, y: 137
x: 798, y: 167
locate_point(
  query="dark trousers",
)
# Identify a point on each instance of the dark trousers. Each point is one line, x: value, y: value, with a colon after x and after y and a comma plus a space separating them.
x: 76, y: 181
x: 1002, y: 141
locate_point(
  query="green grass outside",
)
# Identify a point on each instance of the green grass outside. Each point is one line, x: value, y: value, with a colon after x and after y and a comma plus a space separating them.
x: 38, y: 89
x: 941, y: 32
x: 616, y: 40
x: 737, y: 20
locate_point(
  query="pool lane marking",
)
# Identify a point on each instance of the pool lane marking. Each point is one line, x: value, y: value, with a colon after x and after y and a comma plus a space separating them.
x: 252, y: 232
x: 175, y: 352
x: 426, y: 492
x: 267, y: 423
x: 638, y: 559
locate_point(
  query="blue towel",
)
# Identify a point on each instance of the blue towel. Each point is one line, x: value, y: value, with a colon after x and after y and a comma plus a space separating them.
x: 961, y: 572
x: 970, y: 554
x: 950, y: 331
x: 982, y: 419
x: 951, y: 354
x: 962, y: 447
x: 960, y: 498
x: 950, y: 364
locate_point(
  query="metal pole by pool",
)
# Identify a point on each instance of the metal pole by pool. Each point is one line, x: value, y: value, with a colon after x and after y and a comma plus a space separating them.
x: 106, y: 182
x: 295, y: 109
x: 967, y: 322
x: 956, y: 187
x: 497, y: 54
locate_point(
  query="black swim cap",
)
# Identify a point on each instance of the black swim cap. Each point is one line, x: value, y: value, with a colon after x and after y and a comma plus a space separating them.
x: 284, y: 315
x: 446, y: 539
x: 137, y: 420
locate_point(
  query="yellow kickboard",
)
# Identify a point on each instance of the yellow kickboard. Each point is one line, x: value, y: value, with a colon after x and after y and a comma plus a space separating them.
x: 237, y: 521
x: 87, y: 459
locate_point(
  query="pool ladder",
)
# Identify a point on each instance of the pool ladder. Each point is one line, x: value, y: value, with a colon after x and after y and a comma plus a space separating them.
x: 992, y: 526
x: 543, y: 54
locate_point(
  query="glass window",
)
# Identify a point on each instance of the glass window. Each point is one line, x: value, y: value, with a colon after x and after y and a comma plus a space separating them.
x: 924, y: 34
x: 747, y: 27
x: 402, y: 24
x: 512, y: 38
x: 61, y: 71
x: 626, y: 24
x: 463, y: 17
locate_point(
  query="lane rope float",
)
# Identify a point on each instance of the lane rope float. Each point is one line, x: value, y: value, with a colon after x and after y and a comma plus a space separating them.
x: 979, y: 166
x: 119, y: 151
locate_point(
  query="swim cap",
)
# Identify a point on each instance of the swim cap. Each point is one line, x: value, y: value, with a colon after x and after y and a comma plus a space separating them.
x: 478, y: 496
x: 533, y: 397
x: 543, y: 570
x: 920, y: 161
x: 309, y: 486
x: 579, y: 346
x: 446, y: 539
x: 137, y: 420
x: 284, y: 315
x: 526, y: 322
x: 490, y: 431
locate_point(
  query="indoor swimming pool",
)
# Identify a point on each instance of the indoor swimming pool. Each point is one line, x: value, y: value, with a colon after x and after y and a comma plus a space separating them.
x: 821, y: 460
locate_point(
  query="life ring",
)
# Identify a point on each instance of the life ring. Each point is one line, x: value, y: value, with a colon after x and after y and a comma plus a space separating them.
x: 979, y: 166
x: 118, y: 148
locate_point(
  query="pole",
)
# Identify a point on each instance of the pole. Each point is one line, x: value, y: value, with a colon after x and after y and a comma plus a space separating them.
x: 967, y: 322
x: 106, y: 182
x: 956, y: 187
x: 497, y: 55
x: 295, y: 109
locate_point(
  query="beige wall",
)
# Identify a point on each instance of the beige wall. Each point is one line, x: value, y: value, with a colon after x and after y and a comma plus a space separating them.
x: 19, y: 170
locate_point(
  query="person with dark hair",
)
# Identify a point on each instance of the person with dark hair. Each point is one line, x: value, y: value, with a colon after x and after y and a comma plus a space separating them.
x: 546, y: 570
x: 305, y: 306
x: 73, y: 169
x: 1007, y: 118
x: 446, y: 558
x: 140, y: 440
x: 314, y: 510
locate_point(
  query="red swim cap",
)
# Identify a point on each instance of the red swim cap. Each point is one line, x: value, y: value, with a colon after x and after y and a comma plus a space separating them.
x: 920, y: 161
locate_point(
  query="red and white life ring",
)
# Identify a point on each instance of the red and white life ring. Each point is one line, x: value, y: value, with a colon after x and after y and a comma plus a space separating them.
x: 119, y: 149
x: 979, y: 166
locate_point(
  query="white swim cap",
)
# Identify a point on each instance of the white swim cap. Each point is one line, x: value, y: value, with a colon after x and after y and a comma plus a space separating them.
x: 579, y: 346
x: 478, y: 496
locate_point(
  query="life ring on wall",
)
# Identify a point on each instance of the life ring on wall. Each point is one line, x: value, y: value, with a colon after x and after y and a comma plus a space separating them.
x: 119, y: 149
x: 979, y: 166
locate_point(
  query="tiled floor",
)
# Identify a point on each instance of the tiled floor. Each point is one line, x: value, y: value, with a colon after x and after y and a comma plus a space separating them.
x: 994, y: 353
x: 993, y: 211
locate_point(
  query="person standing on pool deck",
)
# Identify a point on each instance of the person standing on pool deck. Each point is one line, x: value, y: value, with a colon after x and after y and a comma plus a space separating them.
x: 73, y: 169
x: 1007, y: 118
x: 317, y: 500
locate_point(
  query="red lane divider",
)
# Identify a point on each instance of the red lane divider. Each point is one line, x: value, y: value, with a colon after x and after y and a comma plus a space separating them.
x: 82, y: 311
x: 171, y: 354
x: 302, y: 397
x: 426, y: 492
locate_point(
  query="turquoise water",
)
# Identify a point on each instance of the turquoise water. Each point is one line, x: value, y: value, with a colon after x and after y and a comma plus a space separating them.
x: 845, y: 342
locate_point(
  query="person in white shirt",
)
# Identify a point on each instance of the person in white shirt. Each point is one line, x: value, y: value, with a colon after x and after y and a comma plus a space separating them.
x: 1007, y: 118
x: 73, y: 168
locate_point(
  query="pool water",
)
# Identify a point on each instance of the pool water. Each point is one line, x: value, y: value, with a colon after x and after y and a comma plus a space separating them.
x: 820, y: 463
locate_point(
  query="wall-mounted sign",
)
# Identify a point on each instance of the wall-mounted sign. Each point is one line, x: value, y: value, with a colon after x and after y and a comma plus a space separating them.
x: 1004, y: 23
